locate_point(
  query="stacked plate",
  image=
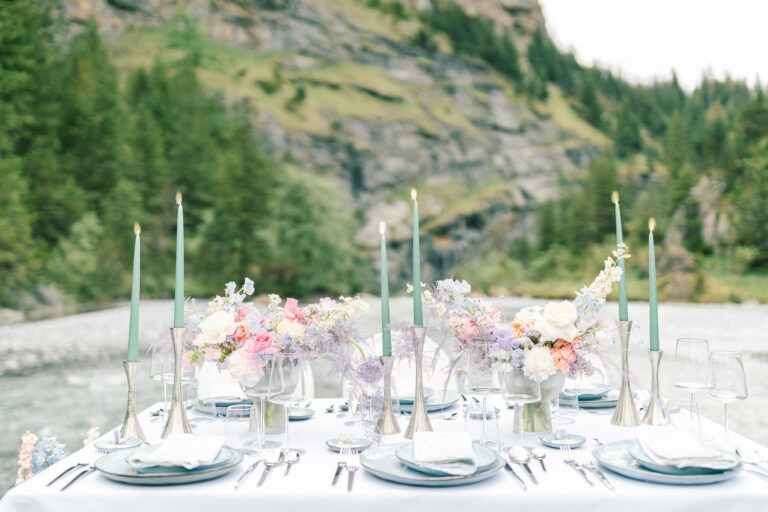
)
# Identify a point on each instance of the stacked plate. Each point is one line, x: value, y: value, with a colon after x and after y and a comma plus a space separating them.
x: 598, y: 396
x: 115, y: 467
x: 221, y: 404
x: 628, y: 458
x: 397, y: 464
x: 435, y: 400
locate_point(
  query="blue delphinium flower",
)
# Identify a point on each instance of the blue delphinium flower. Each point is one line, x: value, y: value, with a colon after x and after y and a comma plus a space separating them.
x: 47, y: 452
x: 248, y: 286
x: 231, y: 287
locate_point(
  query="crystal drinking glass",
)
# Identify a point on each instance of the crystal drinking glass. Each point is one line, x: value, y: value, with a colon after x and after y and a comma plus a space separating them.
x: 288, y: 386
x: 483, y: 378
x: 730, y: 380
x: 255, y: 382
x: 520, y: 390
x: 693, y: 373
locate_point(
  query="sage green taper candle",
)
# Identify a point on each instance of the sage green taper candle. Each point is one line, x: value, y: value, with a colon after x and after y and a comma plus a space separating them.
x: 386, y: 334
x: 178, y: 301
x: 133, y: 323
x: 653, y: 301
x: 623, y: 314
x: 417, y: 314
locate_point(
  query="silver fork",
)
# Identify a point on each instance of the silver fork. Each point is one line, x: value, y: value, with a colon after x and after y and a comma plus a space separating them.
x: 569, y: 460
x: 586, y: 462
x: 341, y: 464
x: 353, y: 464
x: 85, y: 461
x: 88, y: 469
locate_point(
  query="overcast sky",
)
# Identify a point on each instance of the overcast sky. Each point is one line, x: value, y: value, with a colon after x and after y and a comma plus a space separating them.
x: 643, y: 39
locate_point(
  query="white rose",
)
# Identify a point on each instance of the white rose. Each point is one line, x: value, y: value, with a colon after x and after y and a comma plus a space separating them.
x: 527, y: 316
x: 538, y: 363
x: 242, y: 367
x: 557, y: 322
x: 216, y: 328
x: 286, y: 326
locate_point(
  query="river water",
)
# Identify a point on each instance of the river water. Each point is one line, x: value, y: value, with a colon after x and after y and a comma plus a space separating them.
x: 62, y: 376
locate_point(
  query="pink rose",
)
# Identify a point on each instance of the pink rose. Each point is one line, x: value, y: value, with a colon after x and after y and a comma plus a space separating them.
x: 291, y: 308
x: 261, y: 344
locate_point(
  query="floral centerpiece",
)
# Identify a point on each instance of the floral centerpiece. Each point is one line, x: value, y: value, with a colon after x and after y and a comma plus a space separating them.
x: 548, y: 343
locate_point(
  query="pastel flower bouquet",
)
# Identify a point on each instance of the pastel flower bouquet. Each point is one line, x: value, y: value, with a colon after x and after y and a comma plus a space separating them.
x: 549, y: 343
x: 36, y: 454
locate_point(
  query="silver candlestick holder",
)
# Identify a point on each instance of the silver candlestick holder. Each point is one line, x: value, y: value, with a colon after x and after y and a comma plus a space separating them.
x: 625, y: 414
x: 655, y: 414
x: 388, y: 421
x: 177, y: 422
x: 419, y: 421
x: 131, y: 426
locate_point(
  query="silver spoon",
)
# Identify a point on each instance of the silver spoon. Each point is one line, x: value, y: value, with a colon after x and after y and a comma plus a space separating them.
x: 291, y: 458
x: 539, y: 454
x: 451, y: 415
x: 520, y: 455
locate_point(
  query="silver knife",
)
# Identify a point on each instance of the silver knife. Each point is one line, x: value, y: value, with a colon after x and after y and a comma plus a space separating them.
x: 581, y: 471
x: 247, y: 473
x: 602, y: 477
x: 516, y: 476
x: 268, y: 467
x: 341, y: 465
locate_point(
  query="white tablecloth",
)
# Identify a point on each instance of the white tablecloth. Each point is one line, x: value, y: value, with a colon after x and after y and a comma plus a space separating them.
x: 308, y: 485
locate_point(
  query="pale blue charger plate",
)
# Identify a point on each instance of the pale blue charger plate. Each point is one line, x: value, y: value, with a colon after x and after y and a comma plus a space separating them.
x: 616, y: 457
x: 485, y: 458
x: 382, y: 462
x: 637, y: 452
x: 435, y: 402
x: 115, y: 467
x: 408, y: 399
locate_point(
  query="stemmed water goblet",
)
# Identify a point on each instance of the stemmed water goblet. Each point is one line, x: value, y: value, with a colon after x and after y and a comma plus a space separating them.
x: 256, y: 383
x: 693, y: 373
x: 730, y: 381
x: 483, y: 379
x: 520, y: 390
x: 288, y: 386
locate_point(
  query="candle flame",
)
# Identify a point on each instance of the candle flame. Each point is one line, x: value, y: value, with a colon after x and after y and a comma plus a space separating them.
x: 651, y: 224
x: 382, y: 227
x: 136, y: 228
x: 413, y: 193
x: 615, y: 197
x: 178, y: 197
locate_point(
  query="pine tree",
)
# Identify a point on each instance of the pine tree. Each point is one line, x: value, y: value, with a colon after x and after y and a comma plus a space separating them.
x: 676, y: 144
x: 591, y: 108
x: 627, y: 133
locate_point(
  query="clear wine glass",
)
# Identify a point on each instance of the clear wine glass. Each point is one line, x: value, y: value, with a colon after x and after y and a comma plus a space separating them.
x: 483, y: 378
x: 161, y: 370
x: 287, y: 386
x: 730, y: 380
x: 520, y: 390
x: 693, y: 372
x: 255, y: 384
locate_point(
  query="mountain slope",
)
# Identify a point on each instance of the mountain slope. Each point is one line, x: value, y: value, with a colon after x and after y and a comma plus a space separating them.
x: 339, y: 89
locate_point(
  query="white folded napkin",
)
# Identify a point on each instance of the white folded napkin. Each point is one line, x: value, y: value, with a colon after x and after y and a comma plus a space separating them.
x: 184, y: 450
x: 683, y: 451
x: 449, y: 452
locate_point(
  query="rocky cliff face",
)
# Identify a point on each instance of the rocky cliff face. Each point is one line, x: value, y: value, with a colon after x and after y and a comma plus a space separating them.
x: 380, y: 115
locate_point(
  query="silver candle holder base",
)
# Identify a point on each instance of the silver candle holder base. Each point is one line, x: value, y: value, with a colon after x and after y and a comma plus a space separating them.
x: 387, y: 424
x: 177, y: 422
x: 419, y: 421
x: 655, y: 414
x: 625, y: 414
x: 131, y: 427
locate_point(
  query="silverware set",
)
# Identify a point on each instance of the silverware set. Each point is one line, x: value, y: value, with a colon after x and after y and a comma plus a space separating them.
x: 752, y: 461
x: 584, y: 466
x: 271, y: 460
x: 349, y: 459
x: 86, y: 466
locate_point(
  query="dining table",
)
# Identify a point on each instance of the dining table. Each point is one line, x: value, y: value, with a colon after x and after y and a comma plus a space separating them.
x: 308, y: 486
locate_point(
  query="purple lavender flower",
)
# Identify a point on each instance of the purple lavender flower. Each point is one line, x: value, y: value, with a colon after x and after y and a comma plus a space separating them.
x: 371, y: 370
